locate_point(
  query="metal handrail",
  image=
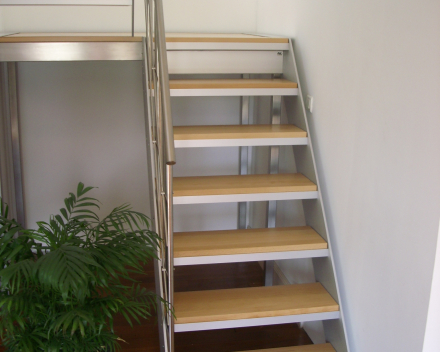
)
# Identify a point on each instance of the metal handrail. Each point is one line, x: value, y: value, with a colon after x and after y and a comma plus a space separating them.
x: 161, y: 155
x: 161, y: 44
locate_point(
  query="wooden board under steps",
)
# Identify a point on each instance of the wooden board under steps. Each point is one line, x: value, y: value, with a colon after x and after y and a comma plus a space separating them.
x: 237, y: 132
x: 241, y: 184
x: 231, y: 84
x: 326, y: 347
x: 252, y: 302
x: 127, y: 37
x: 228, y: 242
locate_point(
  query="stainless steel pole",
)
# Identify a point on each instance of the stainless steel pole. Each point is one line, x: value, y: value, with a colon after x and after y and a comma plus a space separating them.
x: 169, y: 171
x: 10, y: 146
x: 132, y: 18
x: 273, y: 169
x: 165, y: 86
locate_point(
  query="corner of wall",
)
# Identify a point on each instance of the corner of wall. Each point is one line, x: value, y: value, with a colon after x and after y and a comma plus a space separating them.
x: 432, y: 338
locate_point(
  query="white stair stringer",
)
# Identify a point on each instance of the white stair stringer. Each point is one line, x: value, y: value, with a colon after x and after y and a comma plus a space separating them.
x: 311, y: 207
x: 324, y: 269
x: 240, y: 323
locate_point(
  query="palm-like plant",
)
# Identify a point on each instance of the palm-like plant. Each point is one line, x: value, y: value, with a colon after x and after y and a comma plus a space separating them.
x: 62, y: 284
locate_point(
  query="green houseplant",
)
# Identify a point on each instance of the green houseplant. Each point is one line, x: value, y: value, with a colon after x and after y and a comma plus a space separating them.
x: 63, y: 283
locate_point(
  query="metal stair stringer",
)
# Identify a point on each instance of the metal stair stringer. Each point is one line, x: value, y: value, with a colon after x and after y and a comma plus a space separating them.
x: 314, y: 212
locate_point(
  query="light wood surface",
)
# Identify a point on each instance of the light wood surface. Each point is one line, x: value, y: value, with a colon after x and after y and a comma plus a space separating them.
x: 69, y: 37
x: 281, y: 239
x: 237, y: 132
x: 231, y: 83
x: 326, y: 347
x: 126, y: 37
x: 222, y: 38
x: 252, y: 302
x: 241, y: 184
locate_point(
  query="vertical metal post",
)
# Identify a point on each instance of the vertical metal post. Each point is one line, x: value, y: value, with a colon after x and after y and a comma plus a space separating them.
x: 161, y: 142
x: 243, y: 161
x: 152, y: 196
x: 273, y: 169
x: 165, y: 84
x: 16, y: 146
x: 169, y: 193
x: 10, y: 148
x: 6, y: 169
x: 152, y: 167
x: 132, y: 18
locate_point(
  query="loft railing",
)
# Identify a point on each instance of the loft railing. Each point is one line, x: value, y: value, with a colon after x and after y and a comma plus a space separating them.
x: 73, y: 3
x: 161, y: 157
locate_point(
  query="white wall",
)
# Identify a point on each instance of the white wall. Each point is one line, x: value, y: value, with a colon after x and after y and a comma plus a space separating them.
x: 70, y: 133
x: 1, y: 21
x: 373, y: 70
x: 70, y: 130
x: 181, y: 16
x: 227, y: 16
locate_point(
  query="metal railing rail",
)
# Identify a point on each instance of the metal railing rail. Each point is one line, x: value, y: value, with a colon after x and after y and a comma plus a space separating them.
x: 161, y: 156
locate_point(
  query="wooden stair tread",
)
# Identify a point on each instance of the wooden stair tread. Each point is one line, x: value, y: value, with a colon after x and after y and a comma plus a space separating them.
x: 127, y: 37
x: 223, y: 38
x: 70, y: 37
x: 228, y: 242
x: 325, y: 347
x: 252, y: 302
x: 237, y: 132
x: 231, y: 83
x: 241, y: 184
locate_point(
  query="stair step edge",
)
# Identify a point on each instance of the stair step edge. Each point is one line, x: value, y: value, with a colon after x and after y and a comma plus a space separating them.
x: 327, y: 347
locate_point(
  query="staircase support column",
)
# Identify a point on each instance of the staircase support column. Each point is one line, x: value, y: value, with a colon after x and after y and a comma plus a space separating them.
x: 273, y: 169
x: 243, y: 162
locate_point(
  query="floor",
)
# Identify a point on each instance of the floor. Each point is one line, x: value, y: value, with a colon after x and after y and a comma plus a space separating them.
x: 145, y: 337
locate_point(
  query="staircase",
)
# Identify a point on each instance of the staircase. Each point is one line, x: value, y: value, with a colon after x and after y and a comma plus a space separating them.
x: 275, y: 180
x: 279, y: 212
